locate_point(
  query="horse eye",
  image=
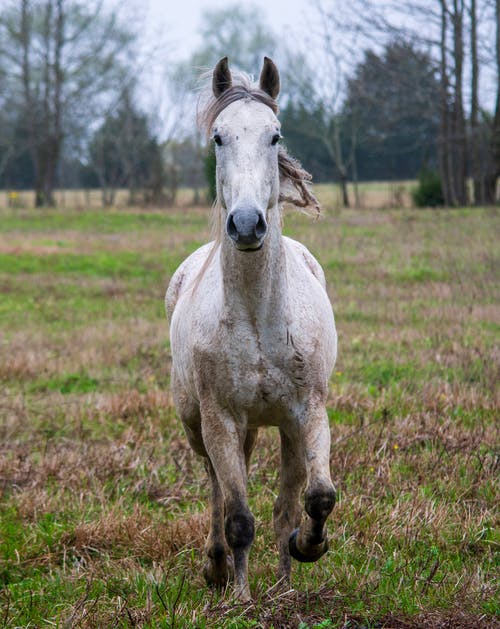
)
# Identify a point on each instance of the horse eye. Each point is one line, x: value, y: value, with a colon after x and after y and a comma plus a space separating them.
x: 276, y: 139
x: 217, y: 139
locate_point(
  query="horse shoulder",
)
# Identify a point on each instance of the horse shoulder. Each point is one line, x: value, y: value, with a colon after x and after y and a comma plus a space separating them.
x: 185, y: 275
x: 307, y: 258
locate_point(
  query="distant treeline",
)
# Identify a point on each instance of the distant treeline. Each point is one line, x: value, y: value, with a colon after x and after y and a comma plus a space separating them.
x: 71, y: 117
x: 396, y: 134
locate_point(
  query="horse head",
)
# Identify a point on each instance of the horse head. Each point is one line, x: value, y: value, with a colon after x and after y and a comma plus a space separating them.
x: 246, y: 133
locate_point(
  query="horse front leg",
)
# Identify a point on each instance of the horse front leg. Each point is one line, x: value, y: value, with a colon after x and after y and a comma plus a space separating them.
x: 224, y: 442
x: 309, y: 542
x: 218, y: 567
x: 287, y: 508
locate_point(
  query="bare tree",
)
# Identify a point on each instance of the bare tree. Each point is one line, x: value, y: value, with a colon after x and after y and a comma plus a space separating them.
x: 452, y: 141
x: 440, y: 26
x: 124, y: 152
x: 491, y: 183
x: 324, y: 95
x: 64, y: 59
x: 459, y: 136
x: 477, y: 180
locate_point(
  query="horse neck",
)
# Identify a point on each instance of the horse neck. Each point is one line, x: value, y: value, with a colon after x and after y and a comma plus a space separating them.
x: 255, y: 281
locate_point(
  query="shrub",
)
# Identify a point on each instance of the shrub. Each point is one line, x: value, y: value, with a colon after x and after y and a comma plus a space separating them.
x: 429, y: 192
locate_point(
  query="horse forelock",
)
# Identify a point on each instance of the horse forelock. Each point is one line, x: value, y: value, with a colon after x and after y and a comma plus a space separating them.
x: 242, y: 89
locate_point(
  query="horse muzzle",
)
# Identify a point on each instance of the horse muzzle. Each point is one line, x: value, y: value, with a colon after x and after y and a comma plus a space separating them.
x: 247, y: 228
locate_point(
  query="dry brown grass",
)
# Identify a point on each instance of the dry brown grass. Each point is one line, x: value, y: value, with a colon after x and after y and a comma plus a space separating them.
x: 139, y: 535
x: 74, y: 351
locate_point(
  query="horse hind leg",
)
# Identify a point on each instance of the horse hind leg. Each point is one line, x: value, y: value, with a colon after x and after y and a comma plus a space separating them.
x: 250, y: 440
x: 309, y: 542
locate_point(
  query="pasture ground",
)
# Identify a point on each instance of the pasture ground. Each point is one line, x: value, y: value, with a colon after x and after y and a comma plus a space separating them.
x: 102, y: 502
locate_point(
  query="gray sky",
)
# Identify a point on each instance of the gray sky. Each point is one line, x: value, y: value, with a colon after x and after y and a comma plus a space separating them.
x: 180, y: 19
x: 174, y: 26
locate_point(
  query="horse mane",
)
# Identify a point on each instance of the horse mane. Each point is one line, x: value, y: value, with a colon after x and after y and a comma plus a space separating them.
x: 294, y: 179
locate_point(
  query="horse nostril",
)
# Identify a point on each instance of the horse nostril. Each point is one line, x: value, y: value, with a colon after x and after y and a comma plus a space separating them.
x: 231, y: 228
x: 246, y: 227
x: 261, y: 227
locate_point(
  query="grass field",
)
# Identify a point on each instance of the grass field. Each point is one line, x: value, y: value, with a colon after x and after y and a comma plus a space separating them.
x: 102, y: 502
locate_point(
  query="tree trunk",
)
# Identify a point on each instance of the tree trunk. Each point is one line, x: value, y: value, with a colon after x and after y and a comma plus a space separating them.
x: 46, y: 160
x: 355, y: 182
x: 107, y: 196
x: 443, y: 147
x: 49, y: 181
x: 354, y: 161
x: 477, y: 176
x: 459, y: 133
x: 46, y: 136
x: 491, y: 184
x: 339, y: 161
x: 39, y: 193
x: 343, y: 187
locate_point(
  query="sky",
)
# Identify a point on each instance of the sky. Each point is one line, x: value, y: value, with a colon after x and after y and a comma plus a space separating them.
x: 176, y: 23
x: 181, y: 19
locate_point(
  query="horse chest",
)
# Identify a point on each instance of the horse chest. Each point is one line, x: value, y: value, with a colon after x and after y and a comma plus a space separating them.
x: 256, y: 370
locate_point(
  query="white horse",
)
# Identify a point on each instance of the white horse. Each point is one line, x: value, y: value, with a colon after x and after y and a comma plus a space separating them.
x: 253, y: 338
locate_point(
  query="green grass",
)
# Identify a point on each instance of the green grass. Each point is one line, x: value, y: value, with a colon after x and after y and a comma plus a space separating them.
x: 97, y: 222
x: 102, y: 502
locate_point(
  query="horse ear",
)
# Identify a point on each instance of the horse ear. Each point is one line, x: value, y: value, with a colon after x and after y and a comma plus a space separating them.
x: 270, y: 78
x: 221, y: 79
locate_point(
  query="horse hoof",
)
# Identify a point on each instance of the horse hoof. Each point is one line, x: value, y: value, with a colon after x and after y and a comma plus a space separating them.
x: 243, y: 597
x: 316, y: 551
x: 218, y: 574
